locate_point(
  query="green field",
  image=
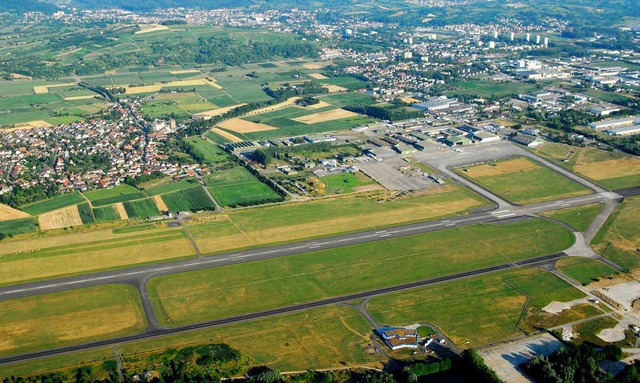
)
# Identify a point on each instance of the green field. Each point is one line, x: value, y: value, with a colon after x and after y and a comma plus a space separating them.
x: 255, y: 286
x: 351, y: 83
x: 474, y: 312
x: 193, y: 199
x: 70, y: 317
x: 619, y: 238
x: 120, y: 193
x: 179, y: 105
x: 218, y: 139
x: 579, y: 217
x: 54, y: 203
x: 241, y: 89
x: 166, y: 185
x: 236, y: 186
x: 287, y: 127
x: 86, y: 214
x: 522, y: 181
x: 492, y: 89
x: 344, y: 99
x: 143, y: 208
x: 18, y: 226
x: 584, y: 270
x: 106, y: 214
x: 205, y: 151
x: 346, y: 182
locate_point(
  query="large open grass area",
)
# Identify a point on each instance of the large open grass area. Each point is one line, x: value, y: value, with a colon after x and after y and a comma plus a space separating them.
x: 346, y: 183
x: 474, y: 312
x: 54, y: 203
x: 611, y: 169
x: 142, y: 208
x: 579, y: 217
x: 297, y: 221
x: 18, y: 226
x: 237, y: 289
x: 522, y: 181
x: 492, y: 89
x: 205, y: 151
x: 236, y: 186
x: 63, y: 255
x: 120, y: 193
x: 584, y: 270
x: 70, y: 317
x: 619, y: 238
x: 193, y: 199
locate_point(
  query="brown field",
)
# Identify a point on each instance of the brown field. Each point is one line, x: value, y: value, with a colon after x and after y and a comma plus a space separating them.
x: 7, y: 213
x: 157, y: 87
x: 321, y: 104
x: 317, y: 65
x: 18, y: 76
x: 329, y: 115
x: 78, y: 98
x: 243, y: 126
x: 622, y: 167
x: 216, y: 112
x: 410, y: 100
x: 29, y: 125
x: 271, y: 108
x: 143, y: 89
x: 151, y: 28
x: 160, y: 203
x: 184, y: 71
x: 226, y: 135
x: 212, y: 82
x: 57, y: 219
x: 504, y: 167
x: 317, y: 76
x: 335, y: 88
x: 121, y: 210
x: 42, y: 89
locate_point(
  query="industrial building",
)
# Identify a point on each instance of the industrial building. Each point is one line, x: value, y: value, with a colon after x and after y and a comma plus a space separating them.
x: 616, y: 123
x: 624, y: 130
x: 398, y: 337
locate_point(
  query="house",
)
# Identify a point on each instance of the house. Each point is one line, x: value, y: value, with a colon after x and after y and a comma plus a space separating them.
x: 399, y: 337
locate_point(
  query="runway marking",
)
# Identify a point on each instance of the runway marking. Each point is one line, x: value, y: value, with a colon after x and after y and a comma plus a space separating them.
x: 507, y: 215
x: 498, y: 212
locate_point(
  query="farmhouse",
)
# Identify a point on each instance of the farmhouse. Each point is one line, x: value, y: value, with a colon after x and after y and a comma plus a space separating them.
x: 398, y: 337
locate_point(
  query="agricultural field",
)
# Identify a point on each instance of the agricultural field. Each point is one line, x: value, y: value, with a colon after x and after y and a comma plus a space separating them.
x: 584, y: 270
x: 579, y: 217
x: 344, y: 99
x: 619, y: 238
x: 522, y: 181
x: 166, y: 185
x: 57, y: 219
x: 69, y: 317
x: 71, y: 254
x: 492, y: 89
x: 106, y: 214
x: 613, y: 170
x: 86, y: 214
x: 18, y: 226
x: 120, y: 193
x: 347, y: 183
x: 494, y: 301
x: 54, y: 203
x: 142, y: 208
x: 312, y: 219
x: 178, y: 105
x: 8, y: 213
x: 208, y: 152
x: 261, y: 285
x: 236, y: 186
x: 193, y: 199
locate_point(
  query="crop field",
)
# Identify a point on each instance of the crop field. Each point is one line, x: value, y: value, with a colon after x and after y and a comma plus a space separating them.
x: 241, y: 89
x: 120, y: 193
x: 70, y: 254
x: 260, y: 285
x: 221, y: 137
x: 181, y: 104
x: 193, y: 199
x: 489, y: 88
x: 287, y: 127
x: 236, y: 186
x: 18, y: 226
x: 496, y: 305
x: 579, y: 217
x: 619, y: 238
x: 241, y: 126
x: 69, y: 317
x: 57, y: 219
x: 296, y: 221
x: 7, y: 213
x: 349, y: 83
x: 54, y: 203
x: 86, y: 214
x: 584, y: 270
x: 522, y: 181
x: 166, y: 185
x: 347, y: 183
x: 142, y: 208
x: 106, y: 214
x: 344, y: 99
x: 211, y: 153
x: 330, y: 115
x: 612, y: 170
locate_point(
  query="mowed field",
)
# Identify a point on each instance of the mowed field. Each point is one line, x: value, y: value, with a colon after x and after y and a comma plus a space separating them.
x: 117, y: 194
x: 69, y: 317
x: 297, y: 221
x: 7, y: 213
x: 619, y: 238
x: 64, y: 255
x: 261, y: 285
x: 613, y: 170
x: 522, y: 181
x: 236, y: 186
x: 477, y: 311
x: 584, y: 270
x: 579, y: 217
x: 54, y: 203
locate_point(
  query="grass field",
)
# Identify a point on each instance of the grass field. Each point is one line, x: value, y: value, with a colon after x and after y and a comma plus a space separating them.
x: 70, y: 317
x: 344, y: 99
x: 579, y: 217
x: 297, y: 221
x: 143, y: 208
x: 18, y: 226
x: 54, y: 203
x: 193, y: 199
x: 255, y: 286
x: 166, y: 185
x: 236, y: 186
x: 120, y: 193
x: 106, y: 214
x: 86, y: 214
x: 70, y: 254
x: 584, y: 270
x: 612, y: 170
x: 619, y: 238
x: 522, y: 181
x: 346, y: 183
x: 492, y: 89
x: 589, y: 331
x: 210, y: 153
x: 474, y: 312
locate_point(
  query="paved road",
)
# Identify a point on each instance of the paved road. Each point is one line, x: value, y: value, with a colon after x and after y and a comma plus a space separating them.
x: 156, y: 332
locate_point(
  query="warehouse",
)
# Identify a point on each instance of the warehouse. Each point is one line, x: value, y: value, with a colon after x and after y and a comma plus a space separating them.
x: 624, y: 130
